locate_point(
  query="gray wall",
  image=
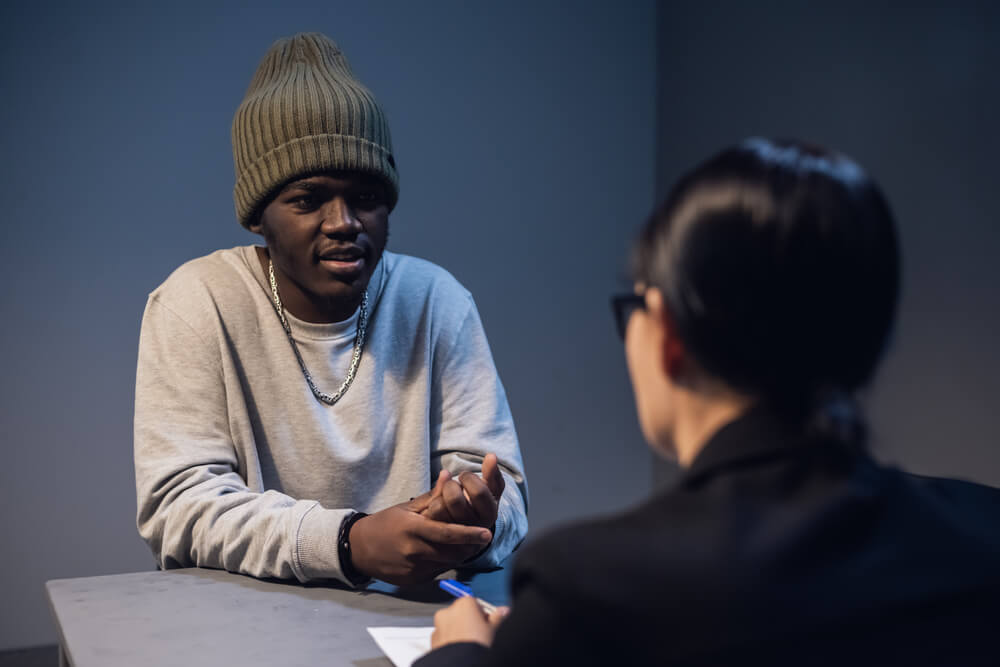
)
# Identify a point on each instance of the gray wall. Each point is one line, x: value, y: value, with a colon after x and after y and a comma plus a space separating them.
x: 914, y: 95
x: 525, y: 140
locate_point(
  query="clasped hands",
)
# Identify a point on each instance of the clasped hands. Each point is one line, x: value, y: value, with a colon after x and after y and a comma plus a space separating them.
x: 417, y: 540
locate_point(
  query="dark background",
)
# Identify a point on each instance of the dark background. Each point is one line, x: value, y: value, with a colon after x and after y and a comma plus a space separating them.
x: 532, y: 139
x: 914, y: 95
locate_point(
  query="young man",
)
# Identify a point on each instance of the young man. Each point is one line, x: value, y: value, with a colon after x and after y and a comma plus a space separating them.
x: 295, y: 401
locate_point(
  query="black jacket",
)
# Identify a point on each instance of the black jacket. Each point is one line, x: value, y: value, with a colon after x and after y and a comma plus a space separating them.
x: 772, y: 549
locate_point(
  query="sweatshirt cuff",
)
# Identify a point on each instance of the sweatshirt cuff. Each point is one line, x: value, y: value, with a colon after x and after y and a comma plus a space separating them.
x: 495, y: 553
x: 316, y: 554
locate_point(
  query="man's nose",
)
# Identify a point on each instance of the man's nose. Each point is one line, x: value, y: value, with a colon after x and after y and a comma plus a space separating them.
x: 339, y: 218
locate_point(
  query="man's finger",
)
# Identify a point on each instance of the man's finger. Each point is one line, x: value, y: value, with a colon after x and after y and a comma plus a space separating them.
x: 450, y: 533
x: 493, y: 476
x: 420, y: 503
x: 458, y: 504
x: 481, y: 498
x: 433, y: 500
x: 436, y: 510
x: 442, y: 479
x: 448, y: 556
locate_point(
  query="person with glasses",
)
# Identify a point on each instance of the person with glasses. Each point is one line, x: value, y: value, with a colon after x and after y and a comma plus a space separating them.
x: 765, y: 290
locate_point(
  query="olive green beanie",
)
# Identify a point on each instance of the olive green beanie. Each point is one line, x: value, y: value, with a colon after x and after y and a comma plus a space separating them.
x: 304, y: 113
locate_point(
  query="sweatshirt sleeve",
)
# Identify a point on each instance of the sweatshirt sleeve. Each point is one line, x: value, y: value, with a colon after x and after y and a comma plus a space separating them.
x: 469, y: 419
x: 194, y: 506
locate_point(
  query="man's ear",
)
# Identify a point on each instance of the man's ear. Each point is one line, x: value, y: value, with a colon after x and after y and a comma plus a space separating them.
x: 672, y: 352
x: 254, y: 224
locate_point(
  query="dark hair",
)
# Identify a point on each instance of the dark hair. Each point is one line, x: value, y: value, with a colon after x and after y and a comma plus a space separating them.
x: 780, y: 266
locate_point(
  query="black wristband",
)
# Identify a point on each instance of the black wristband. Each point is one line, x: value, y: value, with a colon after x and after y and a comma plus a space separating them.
x: 344, y: 551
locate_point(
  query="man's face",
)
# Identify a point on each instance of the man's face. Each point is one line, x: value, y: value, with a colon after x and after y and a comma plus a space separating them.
x: 325, y: 234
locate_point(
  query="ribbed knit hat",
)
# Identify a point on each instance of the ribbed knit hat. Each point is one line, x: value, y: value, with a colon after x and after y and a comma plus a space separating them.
x: 304, y: 113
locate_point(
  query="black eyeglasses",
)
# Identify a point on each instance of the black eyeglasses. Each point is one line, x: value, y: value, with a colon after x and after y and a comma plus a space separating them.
x: 623, y: 305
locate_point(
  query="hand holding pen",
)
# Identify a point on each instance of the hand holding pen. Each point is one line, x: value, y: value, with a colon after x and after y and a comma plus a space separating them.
x: 468, y: 619
x: 460, y: 590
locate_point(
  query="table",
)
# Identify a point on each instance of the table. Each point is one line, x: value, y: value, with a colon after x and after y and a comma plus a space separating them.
x: 196, y: 616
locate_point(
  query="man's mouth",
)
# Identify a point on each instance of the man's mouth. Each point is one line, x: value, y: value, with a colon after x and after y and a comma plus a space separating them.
x: 345, y: 262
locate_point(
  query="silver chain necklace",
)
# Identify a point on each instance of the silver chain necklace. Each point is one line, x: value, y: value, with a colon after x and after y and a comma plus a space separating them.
x: 359, y: 343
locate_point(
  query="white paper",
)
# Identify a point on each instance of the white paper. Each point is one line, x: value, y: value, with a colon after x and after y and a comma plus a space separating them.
x: 402, y: 645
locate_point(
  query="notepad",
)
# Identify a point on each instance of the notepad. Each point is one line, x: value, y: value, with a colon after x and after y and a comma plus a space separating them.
x: 402, y: 645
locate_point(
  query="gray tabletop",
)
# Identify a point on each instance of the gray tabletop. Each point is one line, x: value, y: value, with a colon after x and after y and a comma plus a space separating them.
x: 197, y: 617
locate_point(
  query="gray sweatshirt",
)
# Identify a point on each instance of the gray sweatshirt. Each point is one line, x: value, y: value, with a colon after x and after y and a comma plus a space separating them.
x: 239, y: 467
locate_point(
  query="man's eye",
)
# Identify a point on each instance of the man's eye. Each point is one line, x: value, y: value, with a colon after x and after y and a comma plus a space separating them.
x: 367, y: 199
x: 304, y: 202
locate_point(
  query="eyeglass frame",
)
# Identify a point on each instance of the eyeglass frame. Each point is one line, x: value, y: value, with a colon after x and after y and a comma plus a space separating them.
x: 623, y: 306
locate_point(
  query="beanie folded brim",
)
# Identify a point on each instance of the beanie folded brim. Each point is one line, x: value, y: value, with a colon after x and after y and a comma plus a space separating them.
x: 299, y: 157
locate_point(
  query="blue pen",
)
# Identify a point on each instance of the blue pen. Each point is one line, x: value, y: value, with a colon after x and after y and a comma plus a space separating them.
x: 460, y: 590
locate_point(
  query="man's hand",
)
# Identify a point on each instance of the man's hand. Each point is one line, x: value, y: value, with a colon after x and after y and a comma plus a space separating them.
x: 470, y: 499
x: 464, y: 621
x: 401, y: 546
